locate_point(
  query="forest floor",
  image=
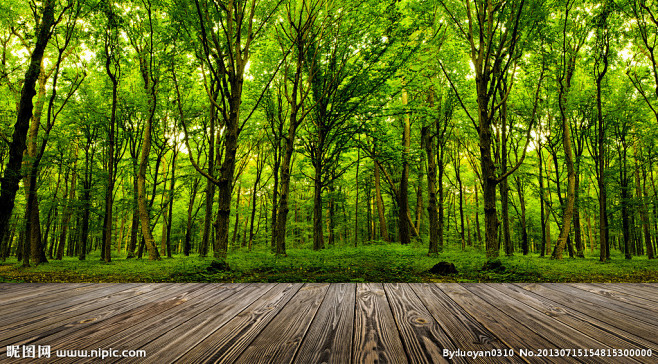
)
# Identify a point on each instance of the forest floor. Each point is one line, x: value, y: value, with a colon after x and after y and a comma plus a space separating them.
x: 369, y: 263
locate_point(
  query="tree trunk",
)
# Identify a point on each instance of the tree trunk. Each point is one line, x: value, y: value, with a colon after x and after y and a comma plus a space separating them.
x: 259, y: 171
x: 383, y: 231
x: 356, y: 204
x: 285, y: 187
x: 403, y: 196
x: 187, y: 246
x: 644, y: 214
x: 12, y: 172
x: 431, y: 191
x: 460, y: 186
x: 524, y: 230
x: 69, y: 197
x: 504, y: 184
x: 172, y: 185
x: 237, y: 217
x: 580, y: 250
x: 318, y: 231
x: 111, y: 175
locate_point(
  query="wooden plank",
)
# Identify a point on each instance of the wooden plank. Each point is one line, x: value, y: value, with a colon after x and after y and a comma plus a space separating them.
x: 40, y: 292
x: 175, y: 343
x: 601, y: 332
x: 646, y: 315
x: 421, y: 335
x: 288, y: 327
x: 31, y: 310
x: 611, y: 294
x: 459, y: 325
x: 603, y: 314
x: 78, y: 317
x: 146, y: 323
x: 563, y: 336
x: 12, y: 289
x: 631, y: 290
x: 94, y: 334
x: 18, y: 287
x: 376, y: 338
x: 329, y: 338
x: 229, y: 341
x: 508, y: 330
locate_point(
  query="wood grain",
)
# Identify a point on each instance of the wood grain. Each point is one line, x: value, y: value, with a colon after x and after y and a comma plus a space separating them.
x: 376, y: 337
x: 329, y: 338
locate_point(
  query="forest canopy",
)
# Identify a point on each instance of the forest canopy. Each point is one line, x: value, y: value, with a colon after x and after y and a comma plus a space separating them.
x: 196, y: 127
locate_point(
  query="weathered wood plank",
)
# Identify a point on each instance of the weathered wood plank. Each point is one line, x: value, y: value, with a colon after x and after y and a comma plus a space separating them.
x: 30, y: 309
x: 631, y: 290
x: 422, y: 337
x: 376, y: 337
x: 563, y: 336
x: 459, y: 325
x: 288, y: 327
x: 155, y: 321
x: 511, y: 332
x: 88, y: 337
x: 642, y: 314
x: 23, y: 292
x: 78, y: 317
x: 175, y: 343
x: 604, y: 314
x: 606, y: 292
x: 607, y: 335
x: 226, y: 344
x: 329, y: 338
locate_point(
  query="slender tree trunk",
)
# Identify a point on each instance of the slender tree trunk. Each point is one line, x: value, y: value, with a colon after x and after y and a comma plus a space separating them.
x: 237, y: 216
x: 111, y: 175
x: 403, y: 192
x: 524, y: 230
x: 69, y: 197
x: 172, y: 185
x: 383, y: 231
x: 645, y: 216
x: 318, y: 231
x: 431, y: 191
x: 504, y: 184
x: 580, y: 250
x: 477, y: 214
x: 542, y: 201
x: 187, y: 246
x: 283, y: 210
x: 356, y: 205
x: 460, y: 186
x: 259, y: 170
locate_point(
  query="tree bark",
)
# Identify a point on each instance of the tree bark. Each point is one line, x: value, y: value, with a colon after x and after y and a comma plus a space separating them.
x: 383, y: 230
x: 426, y: 134
x: 12, y: 172
x: 403, y: 195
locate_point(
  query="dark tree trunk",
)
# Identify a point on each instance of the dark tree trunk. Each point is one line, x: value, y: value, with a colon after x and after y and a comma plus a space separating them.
x: 383, y: 230
x: 172, y: 185
x: 318, y: 231
x: 403, y: 197
x: 431, y: 191
x: 12, y: 172
x: 187, y: 246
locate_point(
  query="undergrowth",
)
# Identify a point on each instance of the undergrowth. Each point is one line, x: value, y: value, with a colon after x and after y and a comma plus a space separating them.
x: 369, y: 263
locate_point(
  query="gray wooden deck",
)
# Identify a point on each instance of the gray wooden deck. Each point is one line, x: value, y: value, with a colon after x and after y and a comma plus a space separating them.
x: 332, y: 323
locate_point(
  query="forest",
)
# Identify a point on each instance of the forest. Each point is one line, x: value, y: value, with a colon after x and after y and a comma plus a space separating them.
x: 148, y: 129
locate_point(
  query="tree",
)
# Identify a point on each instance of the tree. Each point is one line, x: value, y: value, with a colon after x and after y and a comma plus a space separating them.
x: 12, y: 171
x: 493, y: 32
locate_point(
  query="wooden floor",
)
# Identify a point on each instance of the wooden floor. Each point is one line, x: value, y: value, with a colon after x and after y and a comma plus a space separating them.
x: 332, y: 323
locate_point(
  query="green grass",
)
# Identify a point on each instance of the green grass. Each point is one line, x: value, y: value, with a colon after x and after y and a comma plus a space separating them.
x: 370, y: 263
